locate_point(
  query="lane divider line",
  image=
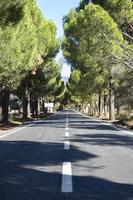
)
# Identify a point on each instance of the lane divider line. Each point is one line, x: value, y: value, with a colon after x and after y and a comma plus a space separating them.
x: 66, y: 186
x: 67, y: 145
x: 67, y: 134
x: 67, y: 128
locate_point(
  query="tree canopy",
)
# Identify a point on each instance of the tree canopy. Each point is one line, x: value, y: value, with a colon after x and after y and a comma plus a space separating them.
x: 95, y: 45
x: 27, y: 41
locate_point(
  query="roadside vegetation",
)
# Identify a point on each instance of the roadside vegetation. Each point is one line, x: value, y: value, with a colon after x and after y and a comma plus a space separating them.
x: 29, y: 75
x: 98, y: 44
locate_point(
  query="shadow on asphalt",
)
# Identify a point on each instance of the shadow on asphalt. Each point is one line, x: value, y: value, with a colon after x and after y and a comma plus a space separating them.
x: 105, y: 139
x: 99, y: 136
x: 77, y: 122
x: 28, y: 171
x: 32, y: 170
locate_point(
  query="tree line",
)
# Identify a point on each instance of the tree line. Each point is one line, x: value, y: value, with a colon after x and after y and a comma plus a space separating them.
x: 98, y: 44
x: 28, y: 46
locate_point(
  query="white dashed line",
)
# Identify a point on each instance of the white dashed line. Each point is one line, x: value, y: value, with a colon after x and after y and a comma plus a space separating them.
x: 67, y: 128
x: 67, y: 145
x: 66, y: 186
x: 67, y: 134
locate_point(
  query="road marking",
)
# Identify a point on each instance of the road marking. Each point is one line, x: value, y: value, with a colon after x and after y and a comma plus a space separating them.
x: 110, y: 125
x: 38, y: 137
x: 67, y: 134
x: 66, y: 186
x: 67, y: 128
x: 15, y: 130
x: 67, y: 120
x: 67, y: 145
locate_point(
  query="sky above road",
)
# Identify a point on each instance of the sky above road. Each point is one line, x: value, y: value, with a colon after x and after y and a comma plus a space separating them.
x: 55, y: 10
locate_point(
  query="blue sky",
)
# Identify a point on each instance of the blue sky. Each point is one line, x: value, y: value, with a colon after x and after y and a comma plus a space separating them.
x: 55, y: 10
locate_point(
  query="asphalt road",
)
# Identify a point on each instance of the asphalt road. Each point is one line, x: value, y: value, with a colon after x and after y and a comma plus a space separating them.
x: 67, y: 157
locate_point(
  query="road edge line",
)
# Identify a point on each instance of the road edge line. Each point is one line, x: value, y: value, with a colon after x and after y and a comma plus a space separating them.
x: 107, y: 124
x: 15, y: 130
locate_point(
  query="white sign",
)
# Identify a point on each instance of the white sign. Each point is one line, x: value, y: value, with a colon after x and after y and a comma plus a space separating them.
x: 49, y: 105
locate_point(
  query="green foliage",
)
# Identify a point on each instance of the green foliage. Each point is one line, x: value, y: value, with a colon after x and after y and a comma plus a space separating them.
x: 88, y: 33
x: 22, y: 42
x: 95, y: 47
x: 11, y: 12
x: 28, y: 45
x: 119, y: 10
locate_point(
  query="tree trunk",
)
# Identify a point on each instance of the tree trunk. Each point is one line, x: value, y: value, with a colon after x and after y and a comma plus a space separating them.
x: 36, y: 107
x: 39, y: 107
x: 100, y: 106
x: 105, y: 110
x: 89, y: 110
x: 111, y: 99
x: 96, y: 110
x: 129, y: 102
x: 82, y: 107
x: 24, y: 105
x: 118, y: 110
x: 28, y: 105
x: 43, y: 106
x: 33, y: 108
x: 5, y: 105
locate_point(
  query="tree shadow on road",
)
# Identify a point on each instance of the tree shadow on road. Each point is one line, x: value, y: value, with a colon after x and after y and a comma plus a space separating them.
x: 32, y: 171
x: 94, y: 188
x: 75, y: 124
x: 104, y: 139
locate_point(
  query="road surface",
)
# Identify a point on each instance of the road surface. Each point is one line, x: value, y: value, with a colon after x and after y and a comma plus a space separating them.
x: 67, y: 157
